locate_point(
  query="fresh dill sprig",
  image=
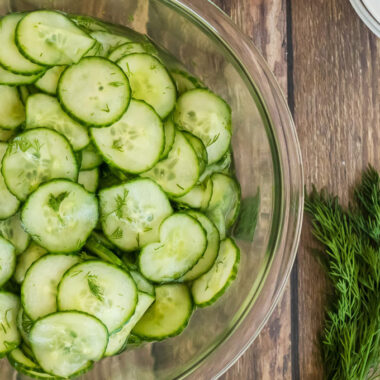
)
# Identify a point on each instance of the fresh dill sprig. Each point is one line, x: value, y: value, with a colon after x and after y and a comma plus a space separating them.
x: 95, y: 288
x: 351, y: 335
x: 55, y: 200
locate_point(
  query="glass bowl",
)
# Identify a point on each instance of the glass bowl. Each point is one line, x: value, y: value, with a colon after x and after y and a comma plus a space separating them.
x: 367, y: 17
x: 267, y: 160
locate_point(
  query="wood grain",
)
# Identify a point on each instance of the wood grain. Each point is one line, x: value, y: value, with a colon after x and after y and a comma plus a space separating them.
x: 264, y: 21
x: 337, y: 113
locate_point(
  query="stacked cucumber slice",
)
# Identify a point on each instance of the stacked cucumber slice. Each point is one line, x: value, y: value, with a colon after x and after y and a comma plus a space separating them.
x: 117, y: 194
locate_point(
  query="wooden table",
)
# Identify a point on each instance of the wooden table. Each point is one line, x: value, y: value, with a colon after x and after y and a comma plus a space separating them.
x: 328, y: 63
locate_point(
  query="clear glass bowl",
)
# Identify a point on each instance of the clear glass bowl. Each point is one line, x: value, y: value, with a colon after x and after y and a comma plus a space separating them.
x: 267, y: 157
x: 367, y: 17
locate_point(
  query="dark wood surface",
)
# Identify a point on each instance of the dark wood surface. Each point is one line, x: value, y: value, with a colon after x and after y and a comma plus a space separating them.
x: 328, y: 64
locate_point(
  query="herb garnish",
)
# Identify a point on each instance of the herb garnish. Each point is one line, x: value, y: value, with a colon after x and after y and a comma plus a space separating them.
x: 351, y: 237
x: 55, y: 201
x: 94, y: 287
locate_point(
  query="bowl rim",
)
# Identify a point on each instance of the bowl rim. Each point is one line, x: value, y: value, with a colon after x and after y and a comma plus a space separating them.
x: 199, y: 11
x: 366, y: 16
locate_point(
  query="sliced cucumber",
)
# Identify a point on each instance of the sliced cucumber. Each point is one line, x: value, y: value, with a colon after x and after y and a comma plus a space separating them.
x: 88, y: 23
x: 210, y: 286
x: 224, y: 205
x: 66, y: 343
x: 91, y: 158
x: 24, y: 93
x: 198, y: 197
x: 179, y: 172
x: 60, y: 215
x: 184, y: 81
x: 49, y: 38
x: 132, y: 213
x: 108, y: 41
x: 9, y: 336
x: 104, y: 290
x: 125, y: 49
x: 117, y: 340
x: 209, y: 257
x: 168, y: 315
x: 7, y: 260
x: 26, y: 259
x: 24, y: 324
x: 150, y: 81
x: 10, y: 56
x: 12, y: 230
x: 11, y: 79
x: 39, y: 289
x: 182, y: 243
x: 89, y: 179
x: 199, y: 149
x: 135, y: 142
x: 208, y: 117
x: 49, y: 81
x: 18, y: 359
x: 222, y: 166
x: 95, y: 91
x: 169, y: 132
x: 101, y: 239
x: 36, y: 374
x: 143, y: 285
x: 12, y: 111
x: 6, y: 134
x: 45, y: 111
x: 9, y: 204
x: 97, y: 248
x: 34, y: 157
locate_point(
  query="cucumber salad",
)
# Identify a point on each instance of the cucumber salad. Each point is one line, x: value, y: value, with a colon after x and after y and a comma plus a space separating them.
x: 117, y: 194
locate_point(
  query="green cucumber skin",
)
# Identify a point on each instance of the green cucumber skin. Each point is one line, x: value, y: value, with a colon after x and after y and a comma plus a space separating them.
x: 231, y: 279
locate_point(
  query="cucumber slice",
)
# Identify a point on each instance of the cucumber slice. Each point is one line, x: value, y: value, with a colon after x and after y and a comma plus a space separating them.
x: 108, y: 41
x: 24, y: 325
x: 199, y: 149
x: 143, y: 285
x: 66, y: 215
x: 49, y: 81
x: 6, y: 134
x: 101, y: 289
x: 207, y: 260
x: 9, y: 336
x: 9, y: 204
x: 66, y: 343
x: 132, y: 213
x: 169, y: 314
x: 224, y: 205
x: 26, y: 259
x: 89, y: 24
x: 89, y: 179
x: 91, y: 159
x: 222, y: 166
x: 12, y: 230
x: 169, y: 132
x: 101, y: 239
x: 7, y: 260
x: 39, y: 289
x: 12, y: 111
x: 150, y: 82
x: 179, y: 172
x: 98, y: 249
x: 95, y: 91
x: 10, y: 56
x: 45, y: 111
x: 24, y: 93
x: 11, y: 79
x: 135, y: 142
x: 184, y: 81
x: 182, y: 243
x: 117, y: 340
x: 208, y: 117
x: 50, y: 38
x: 36, y: 374
x: 18, y: 359
x: 34, y: 157
x: 198, y: 197
x: 125, y: 49
x: 210, y: 286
